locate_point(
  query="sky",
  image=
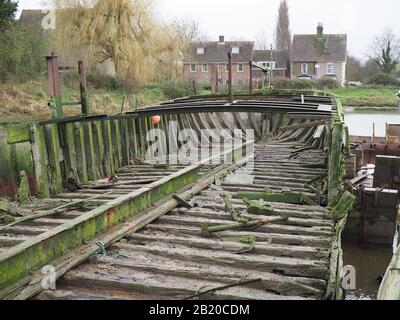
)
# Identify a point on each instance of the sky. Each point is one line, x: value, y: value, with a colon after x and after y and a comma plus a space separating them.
x: 250, y: 19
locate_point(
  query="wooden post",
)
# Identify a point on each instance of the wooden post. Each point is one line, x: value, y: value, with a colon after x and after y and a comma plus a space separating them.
x: 40, y: 160
x: 373, y: 133
x: 82, y: 88
x: 230, y: 77
x: 251, y: 78
x: 54, y: 86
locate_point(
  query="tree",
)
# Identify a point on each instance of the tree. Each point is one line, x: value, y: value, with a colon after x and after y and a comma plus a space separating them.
x: 8, y: 9
x: 370, y: 69
x: 354, y: 69
x: 21, y: 54
x: 385, y: 51
x: 190, y: 30
x: 127, y: 32
x: 262, y: 41
x: 283, y: 36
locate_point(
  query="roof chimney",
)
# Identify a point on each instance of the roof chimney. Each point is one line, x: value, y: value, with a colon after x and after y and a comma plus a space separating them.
x: 221, y: 39
x: 320, y: 30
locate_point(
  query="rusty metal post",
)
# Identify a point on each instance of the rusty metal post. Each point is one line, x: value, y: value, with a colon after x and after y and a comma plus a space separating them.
x: 82, y: 88
x: 54, y: 86
x: 230, y: 77
x: 251, y: 78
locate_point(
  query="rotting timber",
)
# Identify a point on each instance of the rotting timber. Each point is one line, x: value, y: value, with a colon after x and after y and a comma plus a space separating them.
x: 144, y: 232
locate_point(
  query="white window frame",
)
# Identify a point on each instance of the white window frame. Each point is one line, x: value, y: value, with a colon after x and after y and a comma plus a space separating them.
x: 328, y: 65
x: 235, y: 50
x: 200, y: 50
x: 191, y: 67
x: 304, y: 68
x: 267, y: 64
x: 204, y: 67
x: 238, y: 69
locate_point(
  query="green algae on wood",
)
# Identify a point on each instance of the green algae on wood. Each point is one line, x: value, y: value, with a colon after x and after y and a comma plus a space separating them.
x: 23, y: 194
x: 288, y: 197
x: 18, y: 133
x: 257, y: 208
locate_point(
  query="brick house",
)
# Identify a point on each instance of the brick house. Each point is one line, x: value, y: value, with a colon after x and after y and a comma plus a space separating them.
x: 319, y: 56
x: 278, y: 59
x: 204, y: 59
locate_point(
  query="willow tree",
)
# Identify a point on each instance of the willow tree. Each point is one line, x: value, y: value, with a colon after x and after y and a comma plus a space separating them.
x: 126, y: 32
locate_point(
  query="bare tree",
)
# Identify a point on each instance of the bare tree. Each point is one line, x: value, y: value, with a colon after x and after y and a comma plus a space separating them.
x: 262, y: 41
x: 354, y: 69
x: 283, y: 36
x: 190, y: 29
x: 385, y: 50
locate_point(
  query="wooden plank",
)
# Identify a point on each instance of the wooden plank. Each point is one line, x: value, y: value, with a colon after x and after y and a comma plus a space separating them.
x: 18, y: 133
x: 166, y: 286
x: 303, y: 125
x: 263, y: 248
x: 75, y: 257
x: 287, y: 266
x: 295, y: 240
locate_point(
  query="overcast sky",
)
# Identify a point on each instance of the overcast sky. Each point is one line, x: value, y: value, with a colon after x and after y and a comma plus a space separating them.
x: 247, y: 19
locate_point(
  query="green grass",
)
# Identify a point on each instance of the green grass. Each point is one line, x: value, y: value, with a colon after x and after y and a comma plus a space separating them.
x: 367, y: 97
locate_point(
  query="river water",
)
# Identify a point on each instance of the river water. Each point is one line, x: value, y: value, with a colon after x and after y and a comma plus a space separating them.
x: 370, y: 261
x: 360, y: 123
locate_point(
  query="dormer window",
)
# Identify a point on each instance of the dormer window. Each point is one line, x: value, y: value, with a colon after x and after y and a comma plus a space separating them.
x: 235, y: 50
x: 200, y: 50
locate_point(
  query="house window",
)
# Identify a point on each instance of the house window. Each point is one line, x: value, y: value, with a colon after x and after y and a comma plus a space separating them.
x: 240, y: 83
x: 240, y: 67
x: 304, y: 68
x: 267, y: 64
x: 227, y: 82
x: 235, y: 50
x: 227, y: 67
x: 200, y: 50
x: 205, y: 68
x: 330, y: 68
x: 192, y: 68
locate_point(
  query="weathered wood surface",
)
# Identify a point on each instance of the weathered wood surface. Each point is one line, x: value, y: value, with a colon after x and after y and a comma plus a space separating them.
x: 170, y: 259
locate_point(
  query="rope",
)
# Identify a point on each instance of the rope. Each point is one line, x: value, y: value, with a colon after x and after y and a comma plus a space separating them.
x: 104, y: 252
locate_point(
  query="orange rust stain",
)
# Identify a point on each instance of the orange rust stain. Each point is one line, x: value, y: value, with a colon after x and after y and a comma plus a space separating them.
x: 110, y: 217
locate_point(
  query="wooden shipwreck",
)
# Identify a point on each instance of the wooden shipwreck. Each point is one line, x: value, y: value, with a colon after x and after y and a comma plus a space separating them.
x: 176, y: 231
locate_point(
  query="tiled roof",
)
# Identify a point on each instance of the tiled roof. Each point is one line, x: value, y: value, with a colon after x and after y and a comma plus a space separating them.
x: 281, y: 57
x: 216, y: 52
x: 328, y: 48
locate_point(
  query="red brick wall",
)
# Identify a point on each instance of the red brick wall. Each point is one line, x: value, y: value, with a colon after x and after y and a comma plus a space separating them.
x: 223, y: 76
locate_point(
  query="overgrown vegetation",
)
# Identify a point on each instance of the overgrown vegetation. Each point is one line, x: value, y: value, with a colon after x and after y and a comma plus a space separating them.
x: 8, y: 10
x: 383, y: 79
x: 128, y: 33
x: 321, y: 84
x: 21, y: 54
x: 22, y: 50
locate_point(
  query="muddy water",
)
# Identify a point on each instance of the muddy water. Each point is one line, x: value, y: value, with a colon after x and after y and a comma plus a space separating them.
x: 370, y: 262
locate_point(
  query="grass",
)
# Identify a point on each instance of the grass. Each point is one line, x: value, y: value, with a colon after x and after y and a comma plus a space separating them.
x: 367, y: 97
x: 27, y: 101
